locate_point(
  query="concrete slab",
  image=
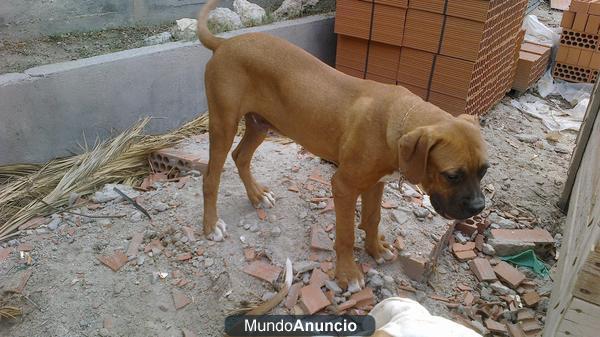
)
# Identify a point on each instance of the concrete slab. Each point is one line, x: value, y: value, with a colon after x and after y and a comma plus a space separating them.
x: 47, y: 111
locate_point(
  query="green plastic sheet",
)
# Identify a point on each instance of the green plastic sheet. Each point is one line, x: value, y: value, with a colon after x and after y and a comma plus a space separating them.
x: 530, y: 260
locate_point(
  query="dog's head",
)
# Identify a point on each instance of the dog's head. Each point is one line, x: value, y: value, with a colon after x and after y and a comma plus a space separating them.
x: 448, y: 160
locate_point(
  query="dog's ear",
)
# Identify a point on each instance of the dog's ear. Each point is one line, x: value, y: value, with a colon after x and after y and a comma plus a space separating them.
x: 413, y: 153
x: 470, y: 118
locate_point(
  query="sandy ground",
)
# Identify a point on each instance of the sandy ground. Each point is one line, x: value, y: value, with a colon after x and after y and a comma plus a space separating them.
x: 70, y: 293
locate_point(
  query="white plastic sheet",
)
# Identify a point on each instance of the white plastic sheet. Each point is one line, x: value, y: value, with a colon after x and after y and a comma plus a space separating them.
x: 537, y: 32
x: 553, y: 117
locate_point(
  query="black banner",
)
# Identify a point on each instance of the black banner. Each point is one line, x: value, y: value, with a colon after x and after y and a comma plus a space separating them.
x: 301, y: 325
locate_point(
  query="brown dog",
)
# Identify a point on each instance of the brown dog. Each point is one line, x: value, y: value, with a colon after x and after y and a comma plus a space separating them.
x: 367, y: 128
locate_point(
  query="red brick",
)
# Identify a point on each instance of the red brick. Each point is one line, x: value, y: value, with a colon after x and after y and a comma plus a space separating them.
x: 312, y: 299
x: 482, y: 270
x: 154, y: 246
x: 320, y: 239
x: 364, y: 297
x: 465, y: 255
x: 467, y: 227
x: 509, y: 274
x: 530, y: 326
x: 459, y: 247
x: 494, y: 326
x: 263, y: 271
x: 525, y: 314
x: 292, y: 296
x: 318, y: 278
x: 580, y: 22
x: 134, y: 244
x: 531, y: 298
x: 180, y: 300
x: 261, y: 213
x: 515, y: 330
x: 34, y: 223
x: 115, y: 261
x: 567, y: 19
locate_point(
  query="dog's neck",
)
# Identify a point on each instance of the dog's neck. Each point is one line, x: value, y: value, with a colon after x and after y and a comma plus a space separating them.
x: 407, y: 115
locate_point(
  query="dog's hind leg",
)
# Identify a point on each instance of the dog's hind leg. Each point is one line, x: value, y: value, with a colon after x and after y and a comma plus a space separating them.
x: 222, y: 129
x: 375, y: 243
x: 256, y: 131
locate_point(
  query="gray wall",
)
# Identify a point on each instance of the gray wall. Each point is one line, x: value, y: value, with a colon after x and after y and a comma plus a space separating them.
x: 21, y: 19
x: 46, y: 111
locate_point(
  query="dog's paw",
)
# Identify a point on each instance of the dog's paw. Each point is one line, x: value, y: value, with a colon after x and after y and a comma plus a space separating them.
x: 220, y: 231
x: 267, y: 200
x: 381, y: 251
x: 349, y: 277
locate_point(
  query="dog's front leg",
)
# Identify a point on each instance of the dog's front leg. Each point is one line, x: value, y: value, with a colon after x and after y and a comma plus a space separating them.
x: 347, y: 272
x: 370, y: 217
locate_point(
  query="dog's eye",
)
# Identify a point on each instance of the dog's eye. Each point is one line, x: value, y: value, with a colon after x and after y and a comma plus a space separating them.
x: 451, y: 177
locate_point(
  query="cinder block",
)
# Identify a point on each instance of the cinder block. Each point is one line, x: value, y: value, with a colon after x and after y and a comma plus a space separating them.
x: 572, y: 73
x: 351, y: 52
x: 572, y: 38
x: 353, y: 18
x: 593, y: 24
x: 585, y: 58
x: 462, y: 38
x: 415, y: 67
x: 595, y: 61
x: 573, y: 55
x: 422, y: 30
x: 561, y: 54
x: 388, y: 24
x: 383, y: 60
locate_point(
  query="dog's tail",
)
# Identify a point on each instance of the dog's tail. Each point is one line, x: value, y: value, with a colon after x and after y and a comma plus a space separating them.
x: 204, y: 35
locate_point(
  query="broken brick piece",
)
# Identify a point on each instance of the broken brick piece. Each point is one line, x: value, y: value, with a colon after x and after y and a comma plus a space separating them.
x: 479, y: 242
x: 115, y: 261
x: 389, y: 205
x: 482, y: 270
x: 312, y: 299
x: 249, y: 254
x: 531, y: 298
x: 4, y: 253
x: 530, y: 325
x: 364, y: 297
x: 509, y: 274
x: 536, y: 235
x: 189, y: 233
x: 134, y: 244
x: 399, y: 243
x: 25, y: 247
x: 292, y: 296
x: 262, y: 214
x: 318, y: 278
x: 494, y: 326
x: 320, y: 239
x: 515, y: 330
x: 263, y: 270
x: 459, y: 247
x: 180, y: 300
x: 525, y: 314
x: 469, y: 299
x: 188, y: 333
x: 326, y: 266
x: 33, y: 223
x: 155, y: 246
x: 294, y: 188
x: 414, y: 267
x: 346, y: 305
x: 465, y: 255
x: 184, y: 257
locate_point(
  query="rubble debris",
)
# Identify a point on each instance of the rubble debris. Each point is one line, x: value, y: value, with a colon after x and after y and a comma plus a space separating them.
x: 292, y: 296
x: 530, y: 298
x: 459, y: 247
x: 465, y: 255
x: 158, y: 39
x: 494, y: 326
x: 414, y: 267
x: 134, y: 244
x: 509, y: 274
x: 133, y: 202
x: 304, y: 266
x: 507, y: 247
x: 312, y: 299
x: 115, y: 261
x: 175, y: 162
x: 263, y: 270
x: 363, y: 298
x: 318, y: 278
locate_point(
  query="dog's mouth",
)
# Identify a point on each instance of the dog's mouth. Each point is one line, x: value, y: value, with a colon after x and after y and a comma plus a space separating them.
x: 446, y: 212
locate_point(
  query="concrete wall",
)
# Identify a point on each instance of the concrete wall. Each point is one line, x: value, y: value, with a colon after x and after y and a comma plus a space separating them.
x: 21, y: 19
x: 46, y: 111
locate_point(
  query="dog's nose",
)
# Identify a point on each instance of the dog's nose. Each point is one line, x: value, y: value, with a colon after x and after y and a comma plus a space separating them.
x: 475, y: 205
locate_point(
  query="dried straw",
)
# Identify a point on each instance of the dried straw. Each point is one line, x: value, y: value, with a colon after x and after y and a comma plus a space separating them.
x: 28, y: 191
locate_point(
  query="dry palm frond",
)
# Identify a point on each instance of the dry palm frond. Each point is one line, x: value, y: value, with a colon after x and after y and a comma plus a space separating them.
x: 27, y: 191
x: 7, y: 312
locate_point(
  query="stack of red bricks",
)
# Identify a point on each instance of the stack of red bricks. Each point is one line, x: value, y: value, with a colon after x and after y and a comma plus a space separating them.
x: 458, y: 55
x: 531, y: 65
x: 578, y: 57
